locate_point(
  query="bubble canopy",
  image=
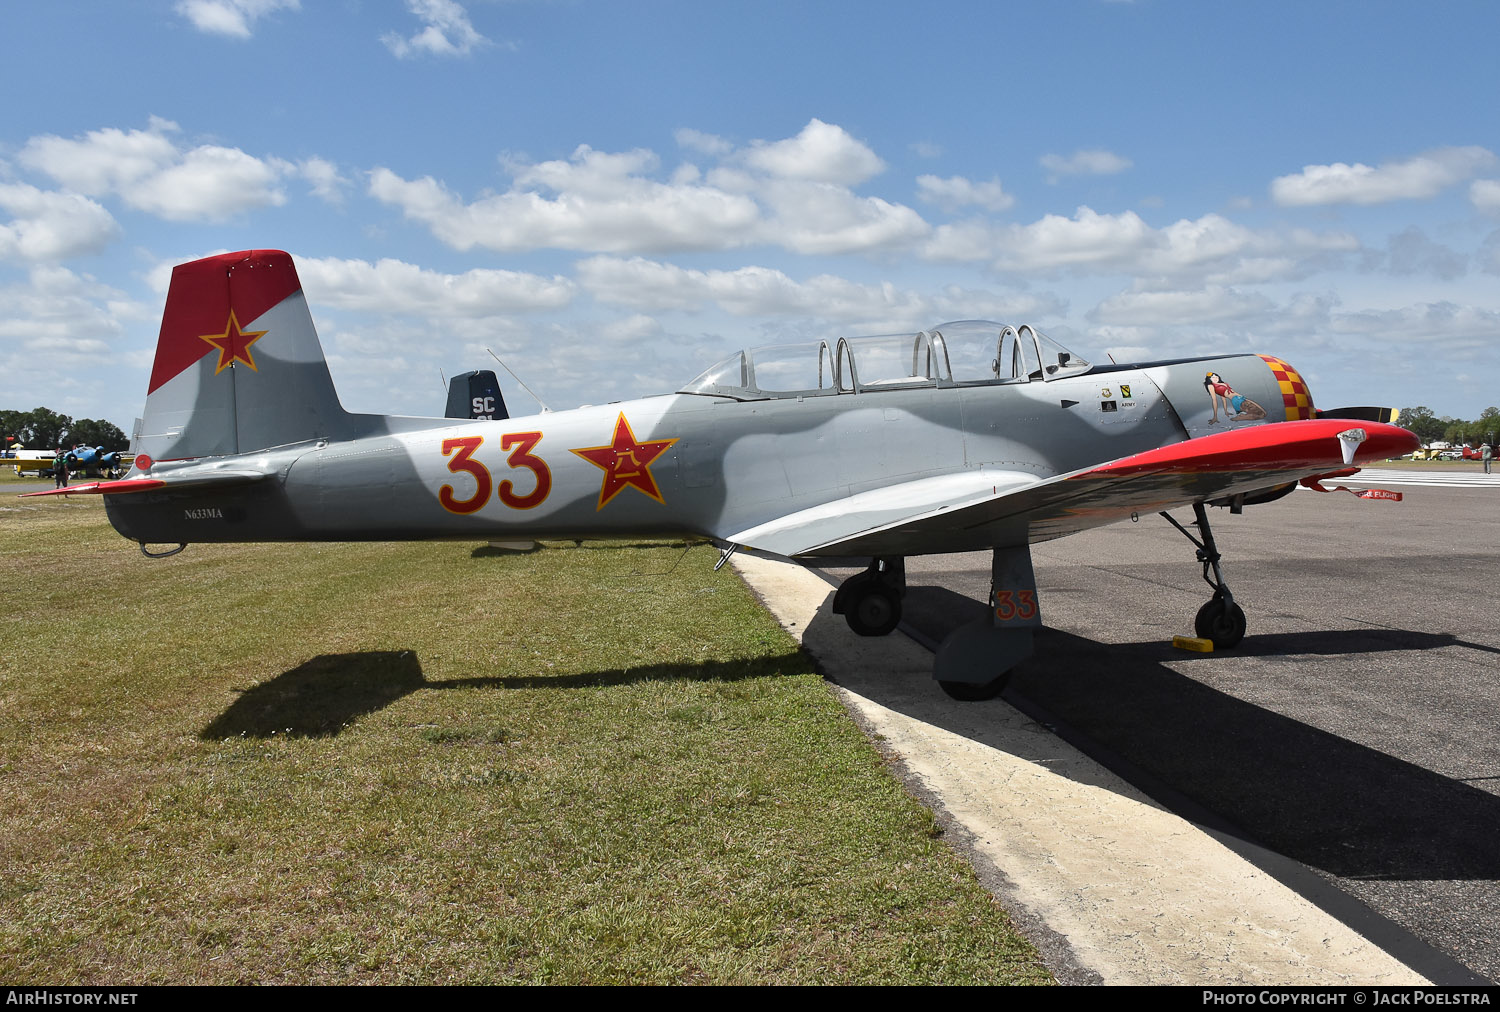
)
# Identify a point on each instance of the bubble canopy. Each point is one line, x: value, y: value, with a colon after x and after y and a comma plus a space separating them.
x: 965, y: 353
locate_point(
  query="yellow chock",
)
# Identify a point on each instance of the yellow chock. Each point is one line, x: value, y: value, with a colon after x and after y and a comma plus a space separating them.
x: 1202, y: 646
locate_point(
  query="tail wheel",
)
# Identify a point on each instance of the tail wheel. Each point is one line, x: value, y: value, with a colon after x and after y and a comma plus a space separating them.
x: 1221, y: 621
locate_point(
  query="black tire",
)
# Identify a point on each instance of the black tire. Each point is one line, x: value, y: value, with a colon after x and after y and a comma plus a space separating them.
x: 1220, y: 622
x: 974, y: 692
x: 872, y: 609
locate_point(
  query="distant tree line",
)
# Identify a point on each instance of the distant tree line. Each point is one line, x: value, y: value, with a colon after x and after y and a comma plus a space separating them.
x: 1430, y: 427
x: 45, y: 429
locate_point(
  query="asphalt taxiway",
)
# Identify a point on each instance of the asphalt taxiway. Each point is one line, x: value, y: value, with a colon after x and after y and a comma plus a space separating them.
x: 1347, y: 750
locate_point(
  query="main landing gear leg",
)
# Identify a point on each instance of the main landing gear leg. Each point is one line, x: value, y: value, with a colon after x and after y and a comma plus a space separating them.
x: 871, y: 601
x: 975, y: 661
x: 1220, y: 620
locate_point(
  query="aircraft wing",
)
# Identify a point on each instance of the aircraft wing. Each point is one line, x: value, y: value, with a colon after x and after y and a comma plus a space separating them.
x: 990, y: 509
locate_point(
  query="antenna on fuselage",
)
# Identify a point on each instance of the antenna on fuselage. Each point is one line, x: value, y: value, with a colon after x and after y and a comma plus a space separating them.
x: 519, y: 380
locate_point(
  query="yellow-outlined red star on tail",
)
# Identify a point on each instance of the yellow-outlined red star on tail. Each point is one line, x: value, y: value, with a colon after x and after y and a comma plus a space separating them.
x: 233, y: 345
x: 625, y: 461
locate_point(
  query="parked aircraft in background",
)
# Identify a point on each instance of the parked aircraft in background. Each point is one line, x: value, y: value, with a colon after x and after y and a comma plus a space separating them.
x: 83, y: 461
x: 95, y: 461
x: 476, y: 394
x: 971, y: 435
x: 25, y: 461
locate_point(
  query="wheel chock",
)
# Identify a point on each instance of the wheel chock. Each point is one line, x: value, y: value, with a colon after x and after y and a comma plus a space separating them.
x: 1194, y: 643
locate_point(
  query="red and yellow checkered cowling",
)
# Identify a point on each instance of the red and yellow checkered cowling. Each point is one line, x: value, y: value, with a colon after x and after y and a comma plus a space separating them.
x: 1294, y: 393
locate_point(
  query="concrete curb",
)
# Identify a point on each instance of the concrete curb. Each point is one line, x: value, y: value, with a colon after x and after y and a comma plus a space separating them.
x: 1128, y: 892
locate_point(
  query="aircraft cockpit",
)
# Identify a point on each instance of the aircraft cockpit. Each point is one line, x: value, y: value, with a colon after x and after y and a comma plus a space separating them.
x: 965, y: 353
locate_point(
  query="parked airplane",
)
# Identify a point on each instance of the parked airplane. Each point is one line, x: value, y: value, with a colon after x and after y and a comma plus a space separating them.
x: 24, y: 460
x: 93, y: 461
x: 968, y: 436
x: 97, y: 461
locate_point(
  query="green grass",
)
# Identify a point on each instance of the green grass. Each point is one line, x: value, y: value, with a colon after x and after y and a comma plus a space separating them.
x: 431, y: 763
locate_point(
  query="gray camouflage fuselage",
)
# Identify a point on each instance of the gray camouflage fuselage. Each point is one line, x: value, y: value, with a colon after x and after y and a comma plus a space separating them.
x: 734, y: 464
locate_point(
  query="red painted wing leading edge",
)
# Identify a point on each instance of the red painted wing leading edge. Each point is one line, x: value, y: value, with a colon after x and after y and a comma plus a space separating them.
x: 1291, y: 446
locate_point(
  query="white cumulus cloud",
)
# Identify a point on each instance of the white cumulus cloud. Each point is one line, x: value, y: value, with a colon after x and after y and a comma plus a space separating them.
x: 654, y: 287
x: 1211, y: 305
x: 60, y: 312
x: 794, y: 194
x: 1087, y: 238
x: 822, y: 218
x: 635, y: 214
x: 446, y: 31
x: 393, y: 286
x: 822, y: 153
x: 1485, y: 195
x: 234, y: 18
x: 48, y: 226
x: 104, y: 160
x: 1091, y: 242
x: 1417, y: 178
x: 209, y: 183
x: 955, y: 192
x: 326, y: 181
x: 1089, y: 162
x: 150, y: 172
x: 1463, y: 331
x: 705, y: 143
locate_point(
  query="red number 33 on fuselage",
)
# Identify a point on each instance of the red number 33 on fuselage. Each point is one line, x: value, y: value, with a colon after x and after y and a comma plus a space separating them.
x: 462, y: 461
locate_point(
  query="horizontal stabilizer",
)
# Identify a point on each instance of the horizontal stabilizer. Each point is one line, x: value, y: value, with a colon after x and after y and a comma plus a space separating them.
x: 101, y: 488
x: 128, y: 485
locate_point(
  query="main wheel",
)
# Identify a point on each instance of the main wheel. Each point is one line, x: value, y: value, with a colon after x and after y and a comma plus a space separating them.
x: 1220, y: 621
x: 872, y: 609
x: 973, y: 692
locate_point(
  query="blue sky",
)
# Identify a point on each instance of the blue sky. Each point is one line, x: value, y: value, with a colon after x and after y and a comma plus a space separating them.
x: 613, y: 195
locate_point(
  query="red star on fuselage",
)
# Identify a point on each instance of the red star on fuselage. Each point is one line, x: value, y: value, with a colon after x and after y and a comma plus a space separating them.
x: 625, y: 462
x: 233, y: 345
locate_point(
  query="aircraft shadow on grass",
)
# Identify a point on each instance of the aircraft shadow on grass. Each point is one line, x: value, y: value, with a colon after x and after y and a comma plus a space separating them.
x: 322, y: 697
x: 1318, y: 798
